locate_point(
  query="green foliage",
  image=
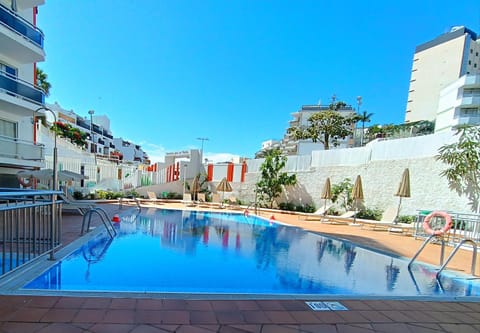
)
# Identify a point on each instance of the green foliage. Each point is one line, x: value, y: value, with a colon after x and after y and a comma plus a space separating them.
x: 272, y: 180
x: 77, y: 195
x: 406, y: 219
x: 132, y: 193
x: 327, y: 127
x: 370, y: 214
x: 463, y: 161
x: 342, y: 192
x: 296, y: 208
x: 109, y: 195
x: 422, y: 127
x: 333, y: 211
x: 75, y: 135
x: 41, y: 81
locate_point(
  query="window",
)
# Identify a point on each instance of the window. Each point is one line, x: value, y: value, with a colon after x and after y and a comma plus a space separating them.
x: 11, y: 71
x: 8, y: 128
x: 469, y: 62
x: 469, y: 111
x: 471, y: 92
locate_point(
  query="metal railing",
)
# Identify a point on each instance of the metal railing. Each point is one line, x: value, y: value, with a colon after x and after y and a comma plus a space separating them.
x: 21, y: 26
x: 465, y: 226
x: 29, y: 226
x: 21, y: 89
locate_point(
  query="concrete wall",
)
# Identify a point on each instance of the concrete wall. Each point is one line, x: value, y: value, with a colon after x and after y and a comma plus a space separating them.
x: 380, y: 166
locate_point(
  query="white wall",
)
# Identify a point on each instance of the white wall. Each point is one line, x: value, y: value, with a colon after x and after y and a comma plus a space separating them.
x: 380, y: 165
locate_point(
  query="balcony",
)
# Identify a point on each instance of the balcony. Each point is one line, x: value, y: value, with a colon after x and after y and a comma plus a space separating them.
x: 82, y: 123
x: 24, y: 4
x: 470, y: 101
x: 20, y: 40
x: 13, y: 86
x: 21, y: 153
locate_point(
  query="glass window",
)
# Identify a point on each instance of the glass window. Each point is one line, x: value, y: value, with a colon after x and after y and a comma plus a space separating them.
x: 8, y: 128
x: 8, y: 69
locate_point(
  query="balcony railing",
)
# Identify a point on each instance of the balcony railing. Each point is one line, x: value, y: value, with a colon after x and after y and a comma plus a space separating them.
x: 21, y: 26
x: 82, y: 123
x: 19, y: 149
x: 22, y: 89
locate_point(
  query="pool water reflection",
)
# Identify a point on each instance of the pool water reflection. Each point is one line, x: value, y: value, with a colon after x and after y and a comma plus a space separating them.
x: 207, y: 252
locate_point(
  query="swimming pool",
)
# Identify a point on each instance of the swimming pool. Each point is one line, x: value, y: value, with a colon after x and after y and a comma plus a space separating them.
x: 173, y: 251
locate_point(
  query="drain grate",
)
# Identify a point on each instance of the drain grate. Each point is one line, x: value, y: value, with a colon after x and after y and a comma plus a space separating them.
x: 326, y: 306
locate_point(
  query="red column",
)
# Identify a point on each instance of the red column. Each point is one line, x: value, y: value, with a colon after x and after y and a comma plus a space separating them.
x: 230, y: 172
x: 244, y: 171
x: 210, y: 172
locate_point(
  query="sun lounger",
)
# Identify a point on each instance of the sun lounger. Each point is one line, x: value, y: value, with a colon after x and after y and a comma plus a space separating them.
x: 187, y: 200
x: 233, y: 203
x: 152, y: 198
x: 345, y: 218
x: 388, y: 223
x: 74, y: 205
x: 318, y: 215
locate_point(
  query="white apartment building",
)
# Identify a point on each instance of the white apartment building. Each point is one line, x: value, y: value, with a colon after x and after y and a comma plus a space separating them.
x: 436, y: 64
x: 100, y: 140
x: 459, y: 103
x: 21, y: 47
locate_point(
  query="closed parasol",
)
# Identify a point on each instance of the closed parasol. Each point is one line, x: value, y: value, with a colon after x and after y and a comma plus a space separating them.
x: 224, y: 186
x: 326, y: 192
x: 195, y: 187
x: 403, y: 189
x: 357, y: 195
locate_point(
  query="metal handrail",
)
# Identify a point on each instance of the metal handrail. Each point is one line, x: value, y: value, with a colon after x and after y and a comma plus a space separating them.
x: 474, y: 256
x: 442, y: 251
x: 103, y: 216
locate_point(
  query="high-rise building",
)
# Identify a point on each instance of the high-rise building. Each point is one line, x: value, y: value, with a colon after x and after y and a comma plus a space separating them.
x: 21, y: 47
x: 436, y: 64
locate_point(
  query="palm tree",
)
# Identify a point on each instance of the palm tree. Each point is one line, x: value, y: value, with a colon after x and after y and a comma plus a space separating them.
x: 364, y: 117
x: 41, y: 81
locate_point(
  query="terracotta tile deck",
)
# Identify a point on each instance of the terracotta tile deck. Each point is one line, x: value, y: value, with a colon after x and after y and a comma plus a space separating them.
x: 147, y: 315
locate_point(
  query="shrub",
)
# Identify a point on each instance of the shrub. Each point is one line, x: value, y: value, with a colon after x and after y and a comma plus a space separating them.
x: 333, y: 211
x: 109, y: 195
x: 286, y: 206
x: 370, y: 214
x: 77, y: 195
x: 406, y: 219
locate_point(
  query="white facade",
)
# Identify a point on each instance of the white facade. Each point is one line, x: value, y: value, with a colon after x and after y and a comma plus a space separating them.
x: 21, y: 47
x: 289, y: 146
x: 459, y: 103
x: 130, y: 151
x: 436, y: 64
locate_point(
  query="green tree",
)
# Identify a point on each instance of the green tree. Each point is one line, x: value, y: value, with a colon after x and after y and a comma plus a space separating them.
x: 272, y: 180
x: 327, y: 127
x: 343, y: 192
x: 42, y: 82
x: 463, y: 160
x: 364, y: 117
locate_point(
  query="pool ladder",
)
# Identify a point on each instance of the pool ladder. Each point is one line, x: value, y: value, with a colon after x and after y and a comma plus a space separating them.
x: 103, y: 216
x: 442, y: 253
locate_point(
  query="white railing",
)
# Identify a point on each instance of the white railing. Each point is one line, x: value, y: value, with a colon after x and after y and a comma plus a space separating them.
x: 22, y: 150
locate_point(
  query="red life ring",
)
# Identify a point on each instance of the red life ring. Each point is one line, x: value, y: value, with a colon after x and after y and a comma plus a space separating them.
x: 24, y: 183
x: 428, y: 228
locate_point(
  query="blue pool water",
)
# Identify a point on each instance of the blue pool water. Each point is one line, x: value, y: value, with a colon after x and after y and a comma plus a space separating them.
x: 207, y: 252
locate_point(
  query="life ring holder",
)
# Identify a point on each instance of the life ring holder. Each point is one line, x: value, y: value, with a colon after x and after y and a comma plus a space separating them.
x: 24, y: 183
x: 439, y: 232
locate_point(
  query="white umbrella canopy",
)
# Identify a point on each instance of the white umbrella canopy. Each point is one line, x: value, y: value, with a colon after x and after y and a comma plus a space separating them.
x: 47, y: 174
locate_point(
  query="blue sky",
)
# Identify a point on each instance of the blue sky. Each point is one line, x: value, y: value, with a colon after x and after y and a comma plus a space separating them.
x: 233, y: 71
